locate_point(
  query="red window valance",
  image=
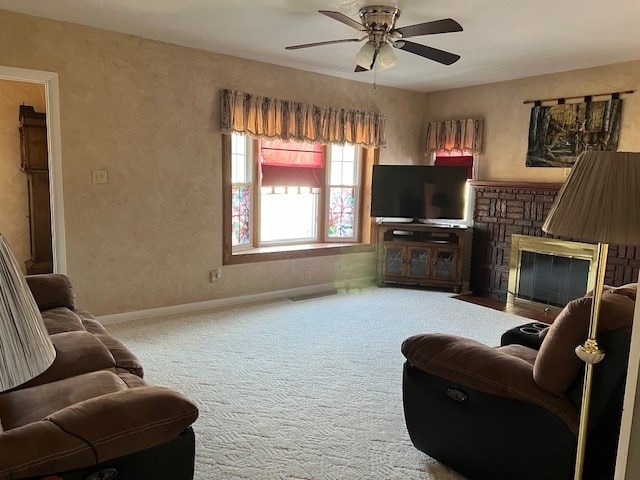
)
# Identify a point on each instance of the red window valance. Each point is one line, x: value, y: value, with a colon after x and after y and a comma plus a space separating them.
x: 290, y: 154
x: 290, y: 164
x: 456, y: 161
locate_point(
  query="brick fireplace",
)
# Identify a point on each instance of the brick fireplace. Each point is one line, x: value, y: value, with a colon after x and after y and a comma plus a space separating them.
x: 504, y: 208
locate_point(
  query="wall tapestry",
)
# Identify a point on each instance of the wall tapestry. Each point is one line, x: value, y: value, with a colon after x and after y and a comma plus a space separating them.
x: 559, y: 133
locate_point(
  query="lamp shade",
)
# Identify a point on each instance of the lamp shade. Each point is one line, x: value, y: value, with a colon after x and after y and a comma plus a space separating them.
x: 25, y: 347
x: 600, y: 201
x: 364, y: 57
x: 386, y: 56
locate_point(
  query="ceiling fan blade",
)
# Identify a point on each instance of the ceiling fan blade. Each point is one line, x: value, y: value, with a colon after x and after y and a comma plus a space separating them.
x: 429, y: 28
x: 317, y: 44
x: 341, y: 17
x: 431, y: 53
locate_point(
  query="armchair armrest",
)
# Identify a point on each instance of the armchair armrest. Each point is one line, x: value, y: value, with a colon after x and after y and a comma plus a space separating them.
x: 471, y: 363
x: 52, y: 290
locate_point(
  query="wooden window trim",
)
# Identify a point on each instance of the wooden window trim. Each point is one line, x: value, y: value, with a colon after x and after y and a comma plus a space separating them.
x: 267, y: 254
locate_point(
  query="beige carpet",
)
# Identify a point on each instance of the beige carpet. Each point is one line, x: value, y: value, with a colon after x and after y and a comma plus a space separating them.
x: 308, y: 389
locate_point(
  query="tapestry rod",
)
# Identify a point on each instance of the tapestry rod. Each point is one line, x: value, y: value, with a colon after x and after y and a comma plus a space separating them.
x: 579, y: 96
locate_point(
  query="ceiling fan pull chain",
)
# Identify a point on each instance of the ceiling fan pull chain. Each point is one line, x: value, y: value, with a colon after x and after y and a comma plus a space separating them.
x: 375, y: 75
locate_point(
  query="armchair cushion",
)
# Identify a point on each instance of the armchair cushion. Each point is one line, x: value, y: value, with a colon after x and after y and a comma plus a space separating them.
x: 557, y: 365
x: 485, y: 369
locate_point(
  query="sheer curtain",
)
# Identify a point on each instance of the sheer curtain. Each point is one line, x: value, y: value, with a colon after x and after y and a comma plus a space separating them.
x: 264, y: 117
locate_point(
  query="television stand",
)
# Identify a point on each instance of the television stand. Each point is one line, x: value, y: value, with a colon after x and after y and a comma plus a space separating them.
x: 420, y: 254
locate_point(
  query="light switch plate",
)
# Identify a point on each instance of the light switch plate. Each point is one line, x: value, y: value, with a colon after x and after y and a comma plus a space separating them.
x: 99, y: 176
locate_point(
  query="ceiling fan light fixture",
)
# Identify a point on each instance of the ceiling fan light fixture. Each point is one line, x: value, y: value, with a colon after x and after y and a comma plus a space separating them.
x: 364, y: 57
x: 386, y: 57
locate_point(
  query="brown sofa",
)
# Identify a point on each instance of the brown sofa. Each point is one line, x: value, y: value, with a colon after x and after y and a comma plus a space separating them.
x: 513, y: 411
x: 91, y: 413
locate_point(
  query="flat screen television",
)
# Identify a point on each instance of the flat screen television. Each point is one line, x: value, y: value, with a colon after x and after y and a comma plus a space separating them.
x: 418, y: 193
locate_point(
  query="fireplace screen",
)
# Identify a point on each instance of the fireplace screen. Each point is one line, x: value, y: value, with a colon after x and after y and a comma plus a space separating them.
x: 550, y: 272
x: 551, y: 279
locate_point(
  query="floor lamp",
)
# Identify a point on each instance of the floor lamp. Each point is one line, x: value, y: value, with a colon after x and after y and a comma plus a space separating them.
x: 599, y: 203
x: 25, y: 348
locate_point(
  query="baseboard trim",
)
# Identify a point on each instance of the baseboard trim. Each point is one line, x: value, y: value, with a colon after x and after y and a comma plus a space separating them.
x: 225, y: 302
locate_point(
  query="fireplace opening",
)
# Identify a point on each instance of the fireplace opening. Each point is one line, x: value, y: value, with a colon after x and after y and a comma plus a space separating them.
x: 549, y: 273
x: 551, y: 279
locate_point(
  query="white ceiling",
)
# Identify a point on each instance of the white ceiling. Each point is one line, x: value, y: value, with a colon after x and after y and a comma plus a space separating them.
x: 502, y: 39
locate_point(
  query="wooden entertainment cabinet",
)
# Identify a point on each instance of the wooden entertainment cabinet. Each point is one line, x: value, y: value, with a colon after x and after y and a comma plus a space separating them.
x: 420, y: 254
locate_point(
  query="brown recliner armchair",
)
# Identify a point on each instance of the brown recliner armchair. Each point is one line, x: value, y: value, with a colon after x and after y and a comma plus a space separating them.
x: 512, y: 412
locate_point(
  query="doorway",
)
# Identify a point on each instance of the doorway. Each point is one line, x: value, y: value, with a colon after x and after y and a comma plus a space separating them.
x: 47, y: 83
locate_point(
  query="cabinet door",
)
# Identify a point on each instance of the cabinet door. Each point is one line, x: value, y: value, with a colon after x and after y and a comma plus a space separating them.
x: 445, y: 264
x: 419, y: 262
x: 393, y: 260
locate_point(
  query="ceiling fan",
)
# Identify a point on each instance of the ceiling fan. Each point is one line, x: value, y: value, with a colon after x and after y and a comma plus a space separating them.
x: 378, y: 24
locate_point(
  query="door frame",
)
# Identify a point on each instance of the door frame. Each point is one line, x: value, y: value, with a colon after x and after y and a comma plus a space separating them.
x: 54, y: 147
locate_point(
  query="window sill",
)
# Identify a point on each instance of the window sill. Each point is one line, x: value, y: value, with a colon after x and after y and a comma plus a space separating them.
x: 286, y: 252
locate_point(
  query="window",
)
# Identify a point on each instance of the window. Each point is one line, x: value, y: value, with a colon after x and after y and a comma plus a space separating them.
x: 343, y: 201
x: 241, y: 191
x: 292, y: 177
x: 292, y: 195
x: 444, y: 159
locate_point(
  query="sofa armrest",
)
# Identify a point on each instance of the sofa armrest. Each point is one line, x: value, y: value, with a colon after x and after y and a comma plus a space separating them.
x: 52, y: 290
x: 471, y: 363
x: 127, y: 421
x: 95, y: 430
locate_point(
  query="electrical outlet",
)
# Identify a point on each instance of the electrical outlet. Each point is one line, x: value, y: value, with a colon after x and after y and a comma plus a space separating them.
x: 307, y: 274
x: 216, y: 275
x: 99, y: 176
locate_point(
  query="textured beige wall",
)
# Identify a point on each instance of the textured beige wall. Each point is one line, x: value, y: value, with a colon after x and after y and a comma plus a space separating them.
x: 507, y: 117
x: 14, y: 204
x: 148, y: 113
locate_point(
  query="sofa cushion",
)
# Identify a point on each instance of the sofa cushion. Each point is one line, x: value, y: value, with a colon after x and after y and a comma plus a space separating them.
x: 51, y: 291
x: 21, y: 407
x: 557, y: 365
x: 76, y: 353
x: 124, y: 358
x: 61, y: 319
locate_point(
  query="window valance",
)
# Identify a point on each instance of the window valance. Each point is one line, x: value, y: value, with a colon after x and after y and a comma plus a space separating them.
x: 461, y: 135
x: 264, y: 117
